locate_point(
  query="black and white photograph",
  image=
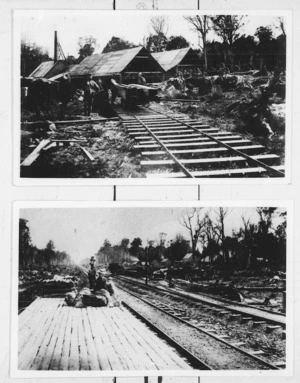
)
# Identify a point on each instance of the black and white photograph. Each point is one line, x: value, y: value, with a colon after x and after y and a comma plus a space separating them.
x: 182, y: 288
x: 151, y: 95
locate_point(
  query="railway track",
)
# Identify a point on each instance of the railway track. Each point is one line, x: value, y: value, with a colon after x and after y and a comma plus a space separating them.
x: 250, y: 312
x: 194, y: 361
x: 176, y: 146
x: 199, y: 315
x: 184, y: 312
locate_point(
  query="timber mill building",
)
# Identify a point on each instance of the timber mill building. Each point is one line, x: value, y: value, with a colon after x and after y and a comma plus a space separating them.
x: 123, y: 66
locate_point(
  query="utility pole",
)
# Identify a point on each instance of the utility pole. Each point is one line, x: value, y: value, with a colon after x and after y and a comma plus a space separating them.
x: 55, y: 46
x: 114, y: 5
x: 146, y: 263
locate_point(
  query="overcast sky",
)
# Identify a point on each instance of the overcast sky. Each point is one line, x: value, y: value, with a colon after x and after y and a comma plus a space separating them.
x: 38, y: 27
x: 82, y: 231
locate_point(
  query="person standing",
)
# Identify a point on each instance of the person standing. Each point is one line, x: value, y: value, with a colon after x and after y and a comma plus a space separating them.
x: 65, y: 91
x: 140, y: 79
x: 92, y: 274
x: 90, y: 89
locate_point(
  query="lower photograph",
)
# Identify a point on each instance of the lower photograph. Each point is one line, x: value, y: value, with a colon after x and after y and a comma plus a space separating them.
x: 164, y: 290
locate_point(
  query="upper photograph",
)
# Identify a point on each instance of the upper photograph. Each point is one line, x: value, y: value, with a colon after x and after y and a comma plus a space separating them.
x: 151, y: 95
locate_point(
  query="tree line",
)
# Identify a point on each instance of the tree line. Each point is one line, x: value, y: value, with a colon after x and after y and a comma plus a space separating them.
x: 252, y: 244
x: 235, y: 51
x: 30, y: 256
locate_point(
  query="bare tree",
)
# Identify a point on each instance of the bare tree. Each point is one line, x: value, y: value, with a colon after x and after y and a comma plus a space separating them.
x: 280, y: 24
x: 221, y: 214
x: 201, y: 23
x: 160, y: 26
x: 193, y: 221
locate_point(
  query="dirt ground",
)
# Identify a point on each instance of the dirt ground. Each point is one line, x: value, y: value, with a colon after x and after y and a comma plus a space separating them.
x: 111, y: 147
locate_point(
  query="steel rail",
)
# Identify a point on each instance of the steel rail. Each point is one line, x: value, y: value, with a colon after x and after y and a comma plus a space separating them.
x: 194, y: 361
x: 251, y: 356
x: 248, y: 158
x: 183, y: 168
x: 195, y: 300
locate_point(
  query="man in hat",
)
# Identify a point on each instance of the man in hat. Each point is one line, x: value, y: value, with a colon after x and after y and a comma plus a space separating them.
x: 90, y: 89
x: 92, y: 273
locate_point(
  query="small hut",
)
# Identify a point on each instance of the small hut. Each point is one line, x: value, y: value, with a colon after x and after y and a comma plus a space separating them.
x: 123, y: 66
x: 185, y: 60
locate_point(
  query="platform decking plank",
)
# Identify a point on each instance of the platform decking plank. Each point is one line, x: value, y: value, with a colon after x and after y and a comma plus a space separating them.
x: 31, y: 339
x: 167, y: 358
x: 108, y: 347
x: 82, y: 346
x: 59, y: 346
x: 118, y: 340
x: 141, y: 350
x: 103, y: 360
x: 55, y: 337
x: 132, y: 348
x: 27, y: 313
x: 91, y: 347
x: 73, y: 363
x: 114, y: 341
x: 69, y: 338
x: 64, y: 360
x: 32, y: 317
x: 46, y: 339
x: 154, y: 362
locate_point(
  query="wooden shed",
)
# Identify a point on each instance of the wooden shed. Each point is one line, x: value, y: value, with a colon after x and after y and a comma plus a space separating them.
x: 185, y: 60
x: 123, y: 65
x: 49, y: 69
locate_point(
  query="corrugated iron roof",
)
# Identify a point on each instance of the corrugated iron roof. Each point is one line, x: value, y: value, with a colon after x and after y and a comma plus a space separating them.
x: 106, y: 63
x: 170, y: 59
x: 42, y: 69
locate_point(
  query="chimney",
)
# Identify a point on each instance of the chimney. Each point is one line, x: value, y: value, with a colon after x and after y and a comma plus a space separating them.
x: 55, y: 46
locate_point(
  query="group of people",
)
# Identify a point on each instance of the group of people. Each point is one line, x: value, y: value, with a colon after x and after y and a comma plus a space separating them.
x: 96, y: 96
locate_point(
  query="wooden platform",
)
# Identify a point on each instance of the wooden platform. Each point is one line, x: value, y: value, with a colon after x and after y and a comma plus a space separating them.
x: 54, y: 336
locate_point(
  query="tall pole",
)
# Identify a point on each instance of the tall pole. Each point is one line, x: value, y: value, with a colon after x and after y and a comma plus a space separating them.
x: 198, y: 4
x: 114, y: 5
x: 55, y: 46
x: 146, y: 265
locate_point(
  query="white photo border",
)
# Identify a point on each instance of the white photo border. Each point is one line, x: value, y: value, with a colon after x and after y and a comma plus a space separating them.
x: 17, y: 206
x: 16, y: 115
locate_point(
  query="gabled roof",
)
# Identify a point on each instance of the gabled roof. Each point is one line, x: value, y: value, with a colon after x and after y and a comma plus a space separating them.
x: 48, y: 69
x: 42, y: 69
x: 170, y: 59
x: 107, y: 63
